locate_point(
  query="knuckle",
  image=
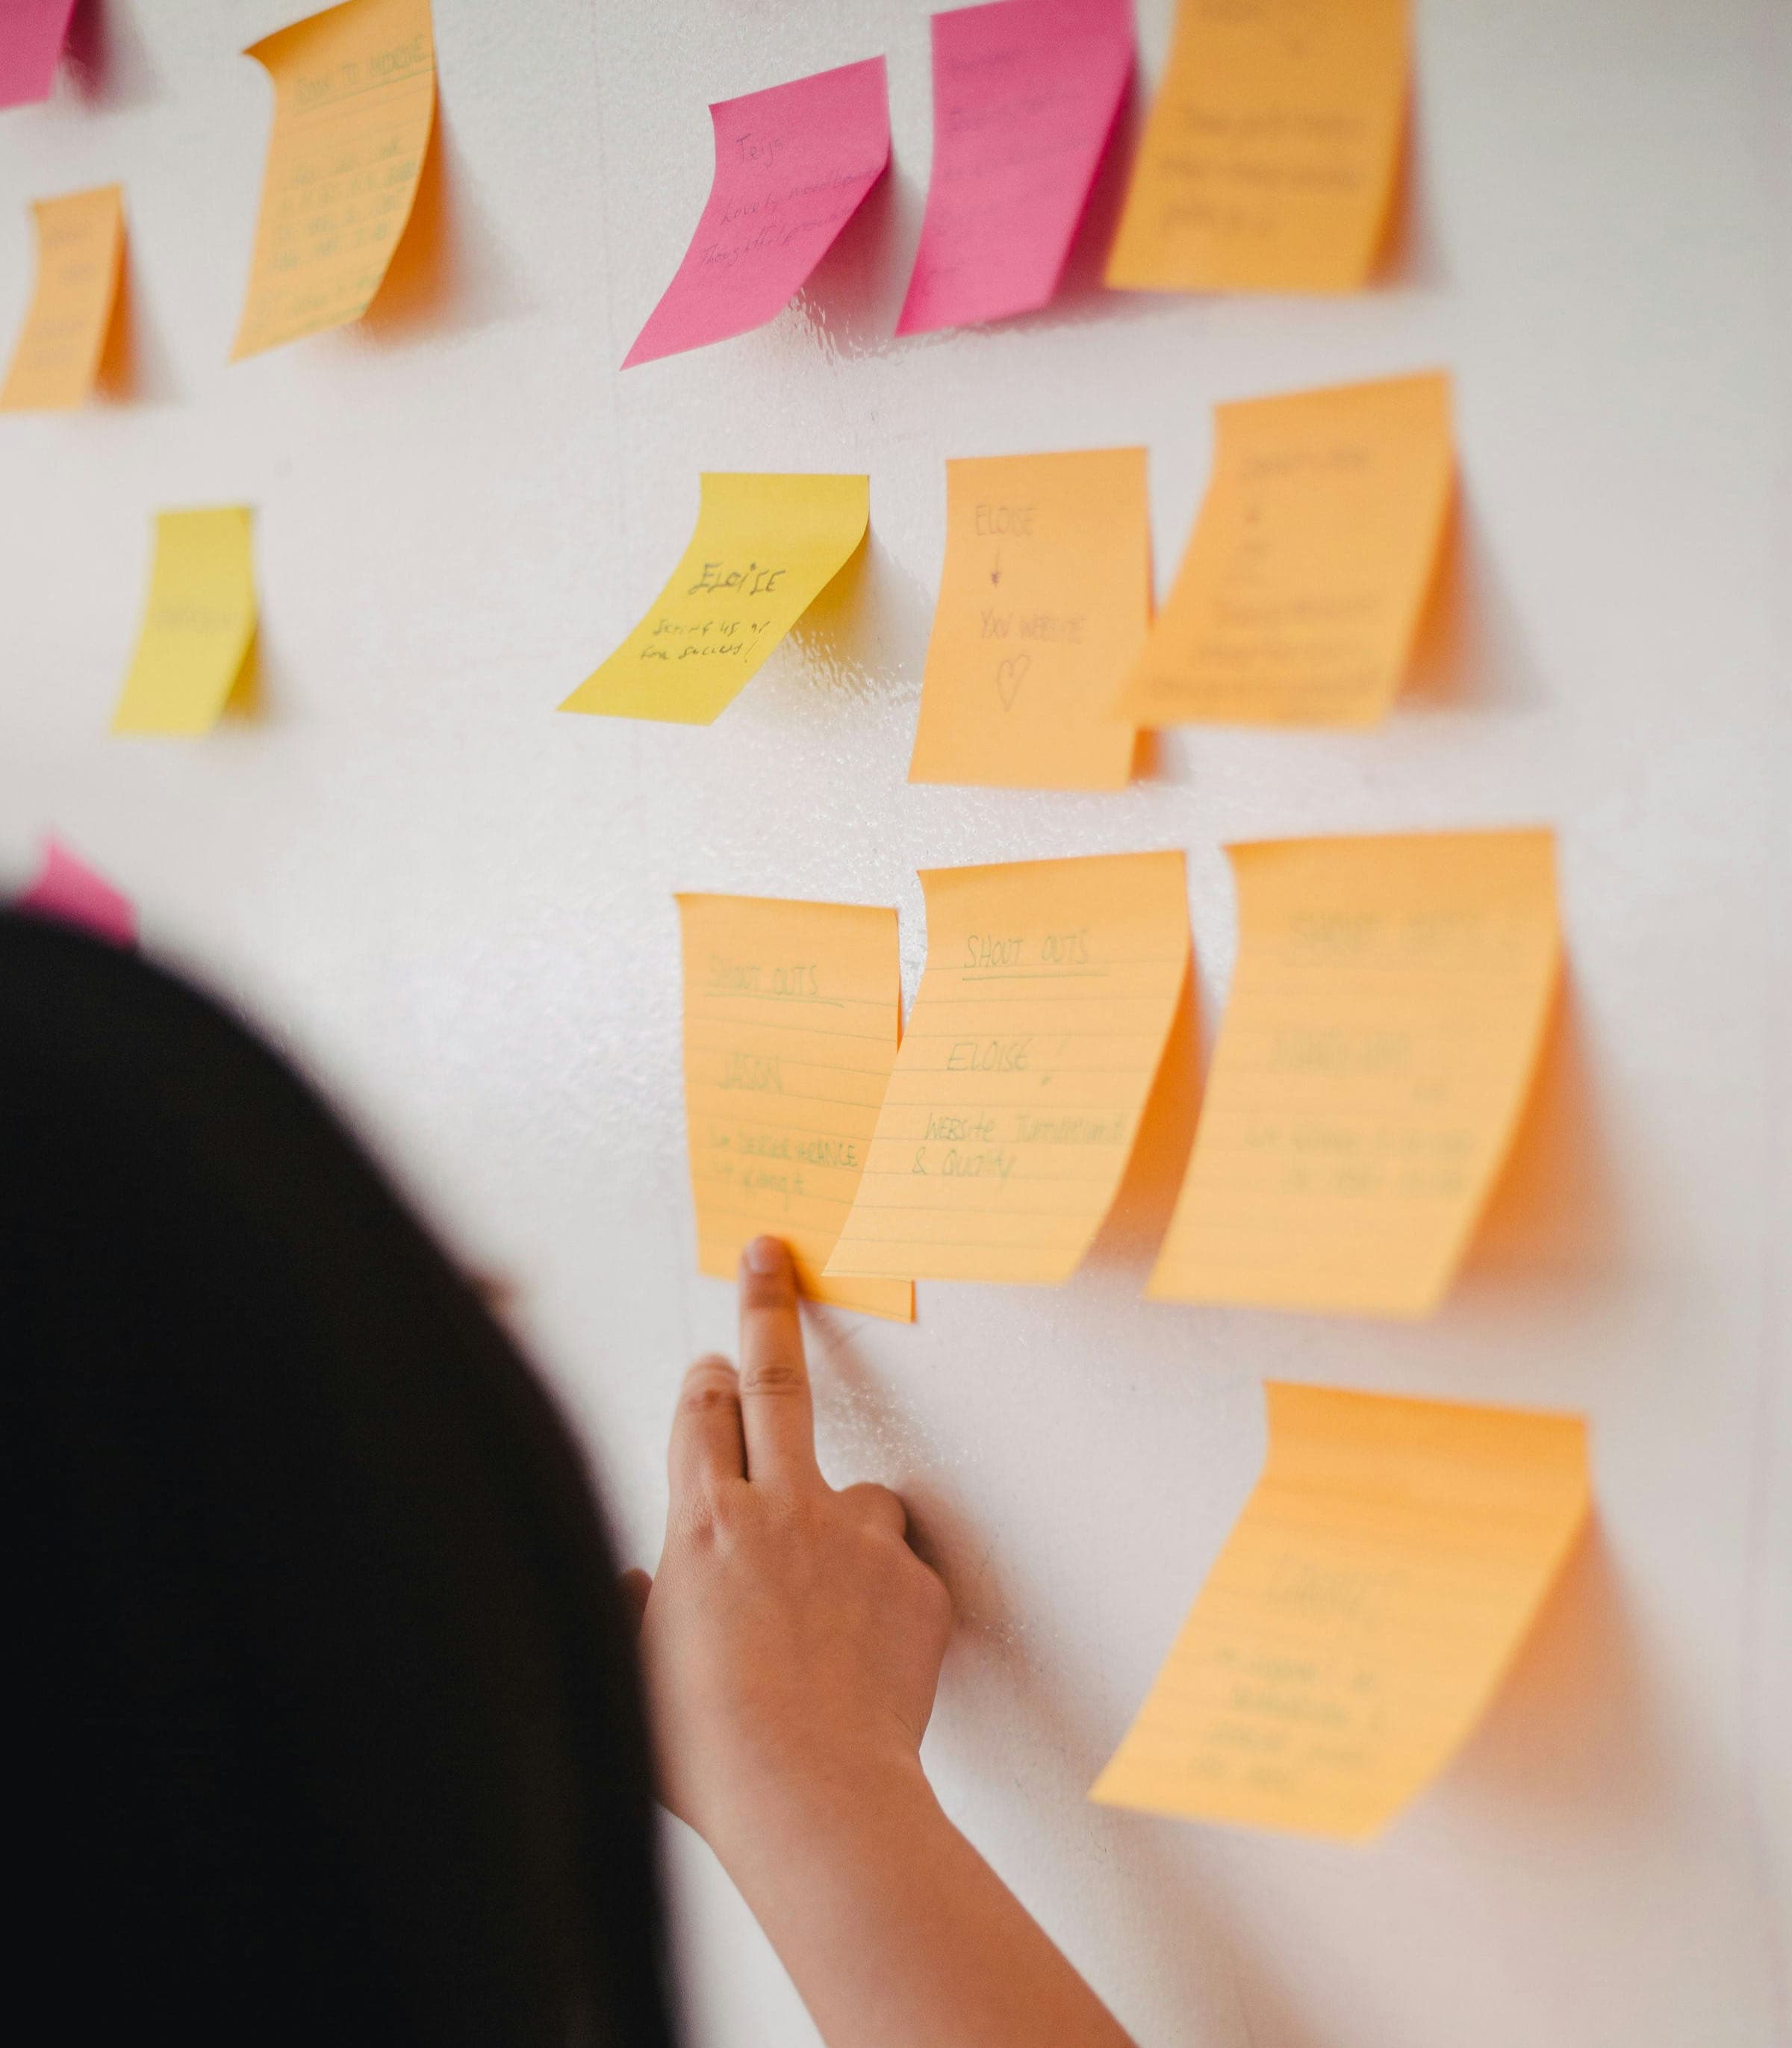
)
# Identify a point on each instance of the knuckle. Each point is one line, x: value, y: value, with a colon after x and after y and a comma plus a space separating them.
x: 779, y: 1374
x: 705, y: 1397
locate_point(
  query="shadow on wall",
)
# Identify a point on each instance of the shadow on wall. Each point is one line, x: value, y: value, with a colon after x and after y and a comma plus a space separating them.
x: 1470, y: 653
x: 107, y: 59
x: 449, y: 271
x: 135, y: 367
x: 851, y: 297
x: 1135, y: 1225
x: 1412, y: 254
x: 853, y: 640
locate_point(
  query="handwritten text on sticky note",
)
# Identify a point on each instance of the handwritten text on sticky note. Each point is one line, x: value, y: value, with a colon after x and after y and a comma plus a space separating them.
x: 1025, y: 96
x: 198, y: 626
x: 1300, y: 596
x: 1268, y: 161
x: 1362, y: 1612
x: 765, y: 548
x: 1043, y: 609
x: 791, y: 1018
x: 80, y: 252
x: 793, y: 164
x: 1375, y: 1054
x: 1039, y: 1025
x: 354, y: 99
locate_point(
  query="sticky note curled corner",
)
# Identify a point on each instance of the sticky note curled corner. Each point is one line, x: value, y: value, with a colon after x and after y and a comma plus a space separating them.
x: 765, y: 548
x: 1026, y: 94
x: 1300, y: 596
x: 66, y: 889
x: 1377, y: 1050
x: 791, y: 1017
x: 1043, y: 609
x: 80, y: 240
x: 1270, y: 158
x: 1361, y: 1614
x: 354, y: 102
x: 32, y: 33
x: 198, y: 624
x: 793, y: 165
x: 1041, y: 1021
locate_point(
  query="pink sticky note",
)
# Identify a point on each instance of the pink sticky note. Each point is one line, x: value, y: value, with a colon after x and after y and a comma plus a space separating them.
x: 1025, y: 96
x: 31, y: 33
x: 792, y: 165
x: 67, y: 889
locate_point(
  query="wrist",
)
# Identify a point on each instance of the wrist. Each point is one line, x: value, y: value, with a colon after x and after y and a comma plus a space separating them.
x: 822, y: 1808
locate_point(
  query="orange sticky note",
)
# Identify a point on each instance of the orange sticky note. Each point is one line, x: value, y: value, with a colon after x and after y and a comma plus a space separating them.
x: 1300, y: 596
x: 1361, y: 1614
x: 792, y: 1014
x: 1043, y: 610
x: 80, y: 254
x: 1041, y: 1019
x: 1385, y: 1018
x: 1268, y: 163
x: 354, y: 98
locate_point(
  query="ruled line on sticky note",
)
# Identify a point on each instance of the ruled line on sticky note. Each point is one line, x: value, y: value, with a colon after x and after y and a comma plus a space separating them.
x: 1011, y: 1114
x: 355, y: 101
x: 776, y: 994
x: 1269, y: 158
x: 1361, y: 1615
x: 1374, y: 1060
x: 199, y: 622
x: 1043, y: 604
x: 80, y: 243
x: 1299, y: 597
x: 765, y: 548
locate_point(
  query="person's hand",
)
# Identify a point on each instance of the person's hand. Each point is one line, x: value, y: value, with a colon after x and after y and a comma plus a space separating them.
x: 792, y: 1640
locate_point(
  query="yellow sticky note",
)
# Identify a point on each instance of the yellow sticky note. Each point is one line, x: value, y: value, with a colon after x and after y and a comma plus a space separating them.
x: 1043, y: 610
x: 198, y: 626
x: 354, y: 98
x: 1386, y: 1015
x: 791, y: 1015
x: 765, y: 549
x: 1361, y: 1614
x: 1300, y: 596
x: 1041, y: 1019
x: 80, y: 255
x: 1268, y: 163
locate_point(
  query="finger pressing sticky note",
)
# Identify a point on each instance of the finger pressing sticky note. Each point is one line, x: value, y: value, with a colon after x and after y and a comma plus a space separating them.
x: 1361, y: 1614
x: 1268, y: 161
x: 1025, y: 96
x: 198, y: 626
x: 353, y: 98
x: 1386, y: 1015
x: 32, y: 33
x: 80, y: 254
x: 1300, y: 596
x: 1038, y: 1027
x: 1043, y: 610
x: 765, y: 548
x: 792, y: 1013
x: 66, y: 889
x: 791, y: 165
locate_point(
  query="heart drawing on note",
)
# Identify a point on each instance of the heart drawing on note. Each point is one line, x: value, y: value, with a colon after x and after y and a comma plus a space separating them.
x: 1009, y: 674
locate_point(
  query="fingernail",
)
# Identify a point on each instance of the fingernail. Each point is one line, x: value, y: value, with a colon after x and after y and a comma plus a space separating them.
x: 765, y: 1254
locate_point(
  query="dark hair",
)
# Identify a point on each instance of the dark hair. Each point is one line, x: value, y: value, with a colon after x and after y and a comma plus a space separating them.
x: 328, y: 1724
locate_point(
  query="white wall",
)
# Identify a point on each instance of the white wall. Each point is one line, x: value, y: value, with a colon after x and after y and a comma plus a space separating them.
x: 456, y: 905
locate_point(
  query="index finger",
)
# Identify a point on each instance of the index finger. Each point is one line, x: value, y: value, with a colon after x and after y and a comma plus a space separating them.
x: 777, y: 1416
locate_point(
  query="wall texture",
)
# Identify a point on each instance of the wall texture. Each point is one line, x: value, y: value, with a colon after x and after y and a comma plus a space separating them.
x: 455, y: 906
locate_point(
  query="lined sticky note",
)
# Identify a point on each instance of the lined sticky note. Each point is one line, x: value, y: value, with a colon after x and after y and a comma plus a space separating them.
x: 765, y: 548
x: 1041, y: 1020
x: 353, y: 98
x: 1043, y: 610
x: 791, y: 165
x: 1386, y: 1015
x: 1268, y: 161
x: 80, y: 242
x: 198, y: 626
x: 1300, y: 596
x: 1025, y: 97
x: 1361, y: 1615
x: 32, y: 33
x: 67, y: 889
x: 791, y: 1015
